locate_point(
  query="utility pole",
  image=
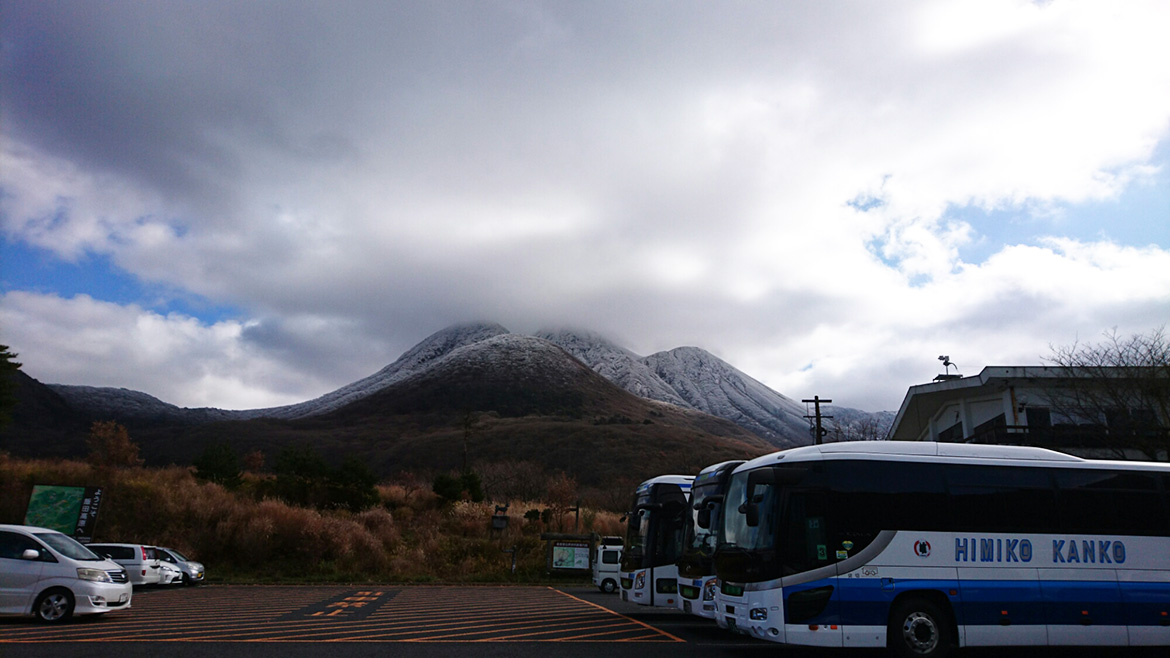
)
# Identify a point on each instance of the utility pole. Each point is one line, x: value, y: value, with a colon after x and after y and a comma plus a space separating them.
x: 818, y: 431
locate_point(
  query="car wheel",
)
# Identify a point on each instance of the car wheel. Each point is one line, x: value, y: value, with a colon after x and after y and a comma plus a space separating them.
x: 919, y: 629
x: 53, y: 606
x: 608, y: 586
x: 186, y: 579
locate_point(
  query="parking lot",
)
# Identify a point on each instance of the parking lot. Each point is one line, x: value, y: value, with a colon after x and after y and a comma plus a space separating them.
x: 273, y: 621
x: 351, y: 614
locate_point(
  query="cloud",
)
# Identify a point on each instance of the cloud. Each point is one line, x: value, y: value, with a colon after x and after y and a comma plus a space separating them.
x: 775, y: 182
x: 175, y: 357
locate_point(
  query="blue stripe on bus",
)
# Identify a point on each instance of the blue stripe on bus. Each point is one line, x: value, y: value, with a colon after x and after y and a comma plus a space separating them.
x: 866, y: 601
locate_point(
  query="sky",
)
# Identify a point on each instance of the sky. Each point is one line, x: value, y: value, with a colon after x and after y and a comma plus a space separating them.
x: 251, y: 203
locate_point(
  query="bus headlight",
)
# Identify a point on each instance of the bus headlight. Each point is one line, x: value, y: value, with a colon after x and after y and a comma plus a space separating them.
x: 758, y: 614
x: 709, y: 589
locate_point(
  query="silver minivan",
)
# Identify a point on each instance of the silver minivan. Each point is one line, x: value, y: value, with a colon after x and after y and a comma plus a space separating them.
x: 140, y: 561
x: 51, y: 576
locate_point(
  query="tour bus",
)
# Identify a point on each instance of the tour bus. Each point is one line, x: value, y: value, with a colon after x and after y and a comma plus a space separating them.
x: 696, y: 566
x: 923, y: 547
x: 654, y: 536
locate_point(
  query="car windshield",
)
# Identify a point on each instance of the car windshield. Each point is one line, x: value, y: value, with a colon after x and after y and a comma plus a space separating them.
x: 177, y: 555
x: 68, y: 547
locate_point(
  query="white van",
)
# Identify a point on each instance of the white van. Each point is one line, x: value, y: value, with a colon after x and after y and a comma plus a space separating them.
x: 607, y: 564
x: 140, y: 561
x: 49, y: 575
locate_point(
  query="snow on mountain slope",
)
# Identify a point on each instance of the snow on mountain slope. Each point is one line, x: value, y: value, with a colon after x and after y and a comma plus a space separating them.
x: 692, y: 378
x: 416, y: 359
x: 686, y: 377
x: 616, y: 364
x: 124, y: 403
x: 711, y: 385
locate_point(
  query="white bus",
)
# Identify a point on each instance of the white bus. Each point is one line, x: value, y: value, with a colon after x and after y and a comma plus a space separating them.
x: 696, y: 565
x: 654, y: 537
x: 923, y: 547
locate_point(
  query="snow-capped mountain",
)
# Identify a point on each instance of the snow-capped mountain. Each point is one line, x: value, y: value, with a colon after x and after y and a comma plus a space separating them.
x: 695, y: 379
x: 616, y: 364
x: 687, y: 377
x: 415, y: 360
x: 712, y: 386
x: 125, y: 403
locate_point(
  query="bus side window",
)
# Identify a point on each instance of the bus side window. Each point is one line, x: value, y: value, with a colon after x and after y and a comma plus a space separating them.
x: 1001, y: 499
x: 1111, y: 502
x: 805, y: 537
x: 870, y: 497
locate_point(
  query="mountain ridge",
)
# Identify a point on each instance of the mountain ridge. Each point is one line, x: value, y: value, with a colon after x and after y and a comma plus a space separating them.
x: 686, y: 377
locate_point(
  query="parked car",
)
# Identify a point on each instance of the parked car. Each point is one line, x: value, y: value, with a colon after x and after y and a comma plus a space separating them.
x: 192, y: 571
x: 141, y: 561
x: 51, y: 576
x: 169, y: 574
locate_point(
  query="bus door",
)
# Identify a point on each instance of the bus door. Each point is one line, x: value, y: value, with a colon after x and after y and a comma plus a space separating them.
x: 811, y: 597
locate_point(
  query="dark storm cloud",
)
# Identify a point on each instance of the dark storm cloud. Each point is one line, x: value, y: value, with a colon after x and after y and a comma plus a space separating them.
x: 354, y: 176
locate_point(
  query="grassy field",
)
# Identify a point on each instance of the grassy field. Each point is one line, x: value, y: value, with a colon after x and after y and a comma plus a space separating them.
x: 411, y: 536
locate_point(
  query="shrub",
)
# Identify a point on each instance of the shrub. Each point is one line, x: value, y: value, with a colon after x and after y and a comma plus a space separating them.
x: 218, y: 463
x: 452, y: 488
x: 241, y: 538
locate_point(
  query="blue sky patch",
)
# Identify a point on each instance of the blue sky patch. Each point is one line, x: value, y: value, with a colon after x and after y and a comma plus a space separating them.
x: 32, y: 269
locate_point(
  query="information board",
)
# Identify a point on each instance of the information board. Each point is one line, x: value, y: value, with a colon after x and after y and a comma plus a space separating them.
x: 69, y: 510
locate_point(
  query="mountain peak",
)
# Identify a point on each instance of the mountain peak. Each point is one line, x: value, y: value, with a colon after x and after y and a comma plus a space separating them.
x: 687, y: 377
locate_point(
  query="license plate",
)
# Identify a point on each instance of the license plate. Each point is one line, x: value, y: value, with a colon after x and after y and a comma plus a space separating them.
x: 686, y: 606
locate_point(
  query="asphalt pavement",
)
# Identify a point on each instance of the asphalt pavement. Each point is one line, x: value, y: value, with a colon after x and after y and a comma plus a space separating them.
x: 422, y: 621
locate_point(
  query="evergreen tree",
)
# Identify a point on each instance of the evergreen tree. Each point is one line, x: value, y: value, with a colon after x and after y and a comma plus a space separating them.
x: 219, y: 463
x: 8, y: 368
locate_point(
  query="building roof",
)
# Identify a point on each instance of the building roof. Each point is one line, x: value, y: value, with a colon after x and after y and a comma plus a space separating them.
x: 923, y: 400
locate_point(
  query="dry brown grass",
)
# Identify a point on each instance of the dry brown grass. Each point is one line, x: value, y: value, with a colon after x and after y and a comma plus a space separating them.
x: 412, y: 537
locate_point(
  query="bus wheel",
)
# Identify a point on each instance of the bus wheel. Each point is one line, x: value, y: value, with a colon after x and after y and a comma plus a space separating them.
x: 919, y: 629
x: 608, y: 586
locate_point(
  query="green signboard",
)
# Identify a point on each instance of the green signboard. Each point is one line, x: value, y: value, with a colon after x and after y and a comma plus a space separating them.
x: 70, y: 510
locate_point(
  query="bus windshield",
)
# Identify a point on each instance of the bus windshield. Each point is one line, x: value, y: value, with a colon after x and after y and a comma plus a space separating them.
x: 699, y: 539
x: 654, y: 533
x: 637, y: 538
x: 735, y: 530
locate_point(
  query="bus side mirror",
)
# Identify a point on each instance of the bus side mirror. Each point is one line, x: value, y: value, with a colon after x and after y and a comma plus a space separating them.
x: 703, y: 520
x: 750, y: 507
x: 708, y: 502
x: 752, y: 513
